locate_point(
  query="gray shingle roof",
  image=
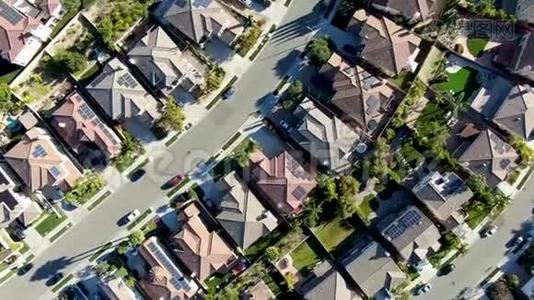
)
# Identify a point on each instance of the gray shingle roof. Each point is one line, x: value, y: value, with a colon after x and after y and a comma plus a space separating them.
x: 326, y: 283
x: 516, y: 113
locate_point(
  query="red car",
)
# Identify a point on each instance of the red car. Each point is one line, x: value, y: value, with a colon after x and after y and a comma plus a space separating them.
x: 176, y: 180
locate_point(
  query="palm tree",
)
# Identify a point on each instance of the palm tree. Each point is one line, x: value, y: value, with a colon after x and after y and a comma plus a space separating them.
x: 313, y: 213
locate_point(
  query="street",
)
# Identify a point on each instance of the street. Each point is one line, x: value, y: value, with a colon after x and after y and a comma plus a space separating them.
x: 202, y: 141
x: 486, y: 253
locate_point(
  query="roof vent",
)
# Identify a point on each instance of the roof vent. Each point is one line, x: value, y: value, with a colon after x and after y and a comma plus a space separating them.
x: 61, y: 125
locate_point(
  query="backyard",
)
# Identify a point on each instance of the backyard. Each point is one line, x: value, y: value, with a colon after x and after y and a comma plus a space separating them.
x: 476, y: 46
x: 463, y: 81
x: 306, y: 256
x: 368, y: 205
x: 336, y: 236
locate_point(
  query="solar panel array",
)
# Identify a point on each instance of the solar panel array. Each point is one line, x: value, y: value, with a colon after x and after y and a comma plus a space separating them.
x: 39, y: 151
x: 127, y: 80
x: 411, y: 218
x: 86, y: 112
x: 178, y: 280
x: 299, y: 192
x: 10, y: 14
x: 99, y: 79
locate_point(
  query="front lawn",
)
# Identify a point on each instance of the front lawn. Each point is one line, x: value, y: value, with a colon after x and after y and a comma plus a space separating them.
x: 334, y: 233
x: 464, y: 80
x: 49, y: 223
x: 476, y: 46
x: 306, y: 256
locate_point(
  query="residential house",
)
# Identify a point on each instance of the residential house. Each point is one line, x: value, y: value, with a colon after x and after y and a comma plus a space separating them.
x: 202, y: 250
x: 259, y: 291
x: 15, y: 205
x: 516, y: 56
x: 24, y: 26
x: 41, y: 165
x: 325, y: 138
x: 386, y: 45
x: 165, y: 65
x: 200, y: 21
x: 413, y: 10
x: 281, y: 180
x: 326, y: 283
x: 373, y: 269
x: 522, y: 9
x: 516, y: 113
x: 165, y: 280
x: 115, y: 289
x: 359, y: 98
x: 82, y: 129
x: 444, y: 195
x: 412, y: 234
x: 240, y: 213
x: 121, y: 96
x: 484, y: 152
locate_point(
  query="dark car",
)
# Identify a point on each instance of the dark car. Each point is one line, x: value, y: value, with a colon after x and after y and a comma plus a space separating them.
x: 24, y: 269
x: 135, y: 176
x: 446, y: 269
x: 176, y: 180
x: 228, y: 93
x: 54, y: 279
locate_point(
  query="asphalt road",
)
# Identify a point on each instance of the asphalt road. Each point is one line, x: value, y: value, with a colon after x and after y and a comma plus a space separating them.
x: 487, y: 253
x: 82, y: 240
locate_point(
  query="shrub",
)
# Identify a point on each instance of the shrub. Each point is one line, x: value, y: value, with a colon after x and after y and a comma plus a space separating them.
x: 319, y: 51
x: 248, y: 40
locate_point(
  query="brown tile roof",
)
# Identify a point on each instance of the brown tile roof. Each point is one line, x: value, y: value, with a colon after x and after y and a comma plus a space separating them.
x: 282, y: 179
x: 40, y: 163
x: 387, y: 46
x: 77, y: 123
x: 409, y: 9
x: 358, y: 95
x: 12, y: 31
x: 201, y: 250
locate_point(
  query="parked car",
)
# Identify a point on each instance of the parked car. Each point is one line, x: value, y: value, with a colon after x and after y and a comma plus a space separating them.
x: 54, y: 279
x: 24, y: 269
x: 517, y: 241
x: 176, y: 180
x: 423, y: 289
x: 135, y: 176
x: 133, y: 215
x: 489, y: 231
x: 228, y: 93
x: 446, y: 269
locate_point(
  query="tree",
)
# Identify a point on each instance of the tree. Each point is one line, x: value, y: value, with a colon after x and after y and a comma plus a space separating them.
x: 214, y: 79
x: 137, y: 237
x: 129, y: 281
x: 319, y: 51
x: 123, y: 247
x: 312, y: 212
x: 295, y: 89
x: 499, y: 291
x: 5, y: 97
x: 379, y: 160
x: 102, y: 268
x: 525, y: 152
x: 273, y: 253
x: 291, y: 280
x: 326, y: 187
x: 173, y: 116
x: 512, y: 281
x: 65, y: 61
x: 242, y: 154
x: 122, y: 272
x: 73, y: 5
x: 347, y: 186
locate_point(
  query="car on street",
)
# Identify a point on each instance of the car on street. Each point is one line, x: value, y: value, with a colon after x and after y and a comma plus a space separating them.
x: 54, y: 279
x: 24, y: 269
x: 228, y: 93
x: 489, y: 231
x: 176, y: 180
x: 132, y: 215
x: 138, y: 174
x: 446, y: 269
x: 423, y: 289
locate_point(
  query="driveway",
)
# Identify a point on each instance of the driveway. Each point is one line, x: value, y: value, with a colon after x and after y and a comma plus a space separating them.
x: 75, y: 247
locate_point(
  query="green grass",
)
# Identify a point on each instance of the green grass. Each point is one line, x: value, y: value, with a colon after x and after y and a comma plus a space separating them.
x: 464, y: 80
x: 100, y: 251
x: 175, y: 190
x: 124, y: 163
x: 476, y: 46
x: 172, y: 139
x: 306, y: 256
x: 219, y: 95
x: 49, y: 223
x: 258, y: 248
x: 333, y: 233
x: 89, y: 72
x: 60, y: 232
x: 402, y: 80
x: 365, y: 209
x: 139, y: 219
x: 62, y: 283
x: 99, y: 200
x: 6, y: 78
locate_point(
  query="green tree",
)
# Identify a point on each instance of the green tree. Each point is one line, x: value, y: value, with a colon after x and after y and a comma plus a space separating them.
x: 273, y: 253
x: 291, y: 280
x: 295, y: 89
x: 379, y: 159
x: 347, y: 186
x: 129, y: 281
x: 512, y: 281
x: 122, y: 272
x: 312, y: 212
x: 242, y: 154
x: 319, y: 51
x: 137, y: 237
x: 173, y: 116
x: 123, y: 247
x: 102, y: 268
x: 326, y: 187
x: 73, y: 5
x: 526, y: 154
x: 214, y: 79
x: 5, y: 97
x: 65, y: 61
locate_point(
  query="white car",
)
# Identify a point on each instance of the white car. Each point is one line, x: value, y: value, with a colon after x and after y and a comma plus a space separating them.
x: 248, y: 3
x: 133, y: 215
x: 423, y: 289
x: 489, y: 231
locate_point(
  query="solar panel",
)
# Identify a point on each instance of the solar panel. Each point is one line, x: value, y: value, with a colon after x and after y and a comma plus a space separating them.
x: 178, y: 280
x: 98, y: 79
x: 39, y: 151
x: 394, y: 231
x: 127, y: 80
x: 55, y: 172
x: 299, y: 192
x: 10, y: 14
x: 410, y: 219
x: 86, y: 112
